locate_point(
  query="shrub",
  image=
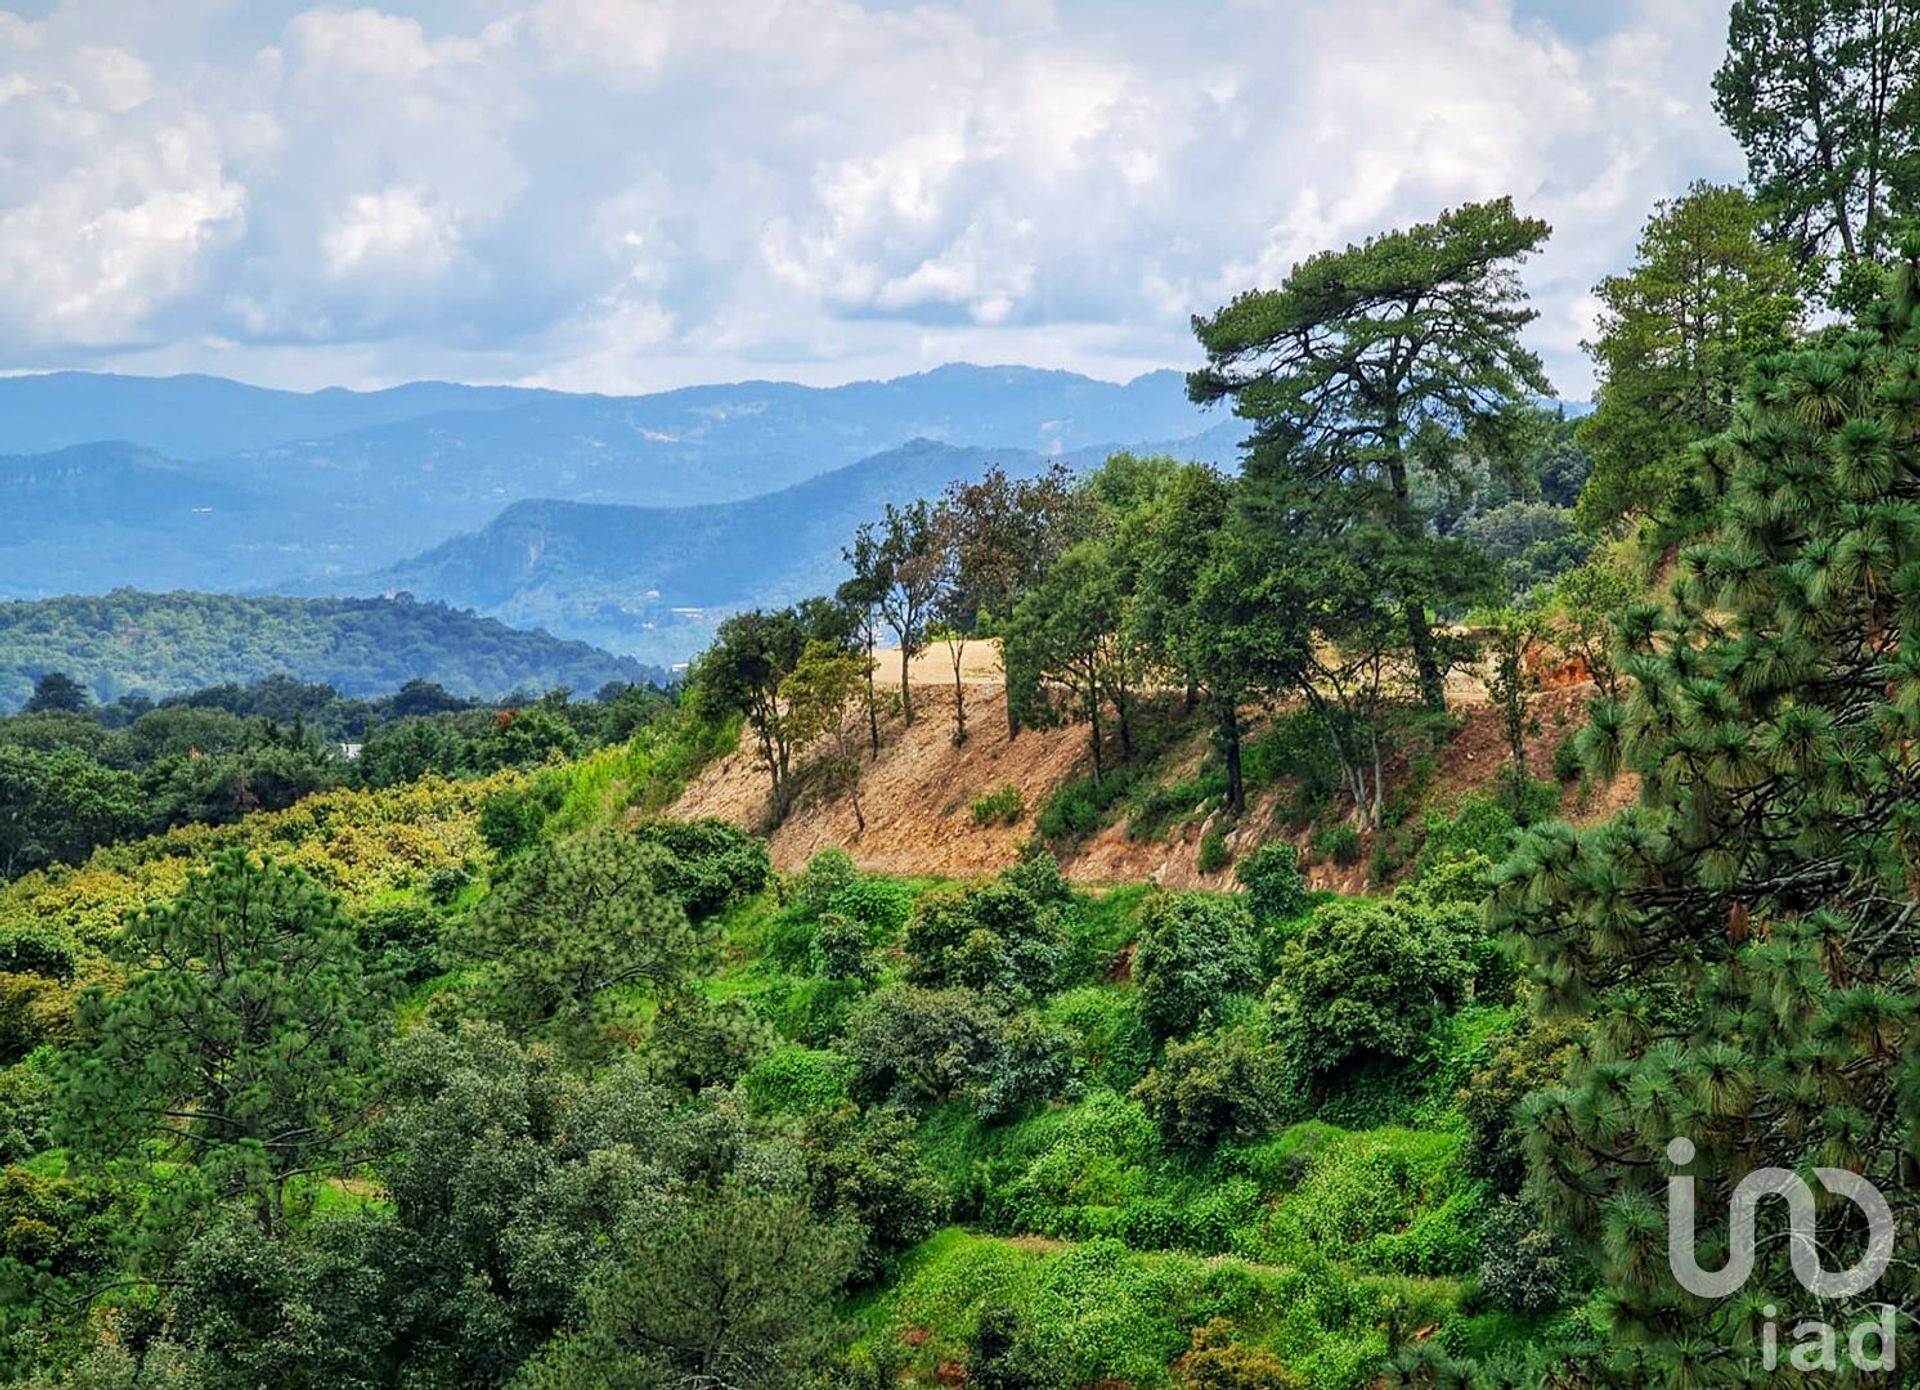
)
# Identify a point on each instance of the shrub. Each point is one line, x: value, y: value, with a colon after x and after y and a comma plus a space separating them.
x: 991, y: 937
x: 796, y: 1081
x: 1479, y: 825
x: 1524, y: 1267
x: 1037, y: 874
x: 1211, y: 1089
x: 1217, y: 1362
x: 1193, y: 951
x: 402, y: 939
x: 1390, y: 1200
x: 1526, y: 1057
x: 1002, y: 807
x: 866, y: 1167
x: 1370, y: 977
x: 1078, y: 809
x: 828, y: 872
x: 1002, y: 1354
x: 910, y: 1044
x: 1110, y: 1037
x: 1339, y: 842
x: 1035, y: 1064
x: 1275, y: 890
x: 840, y: 949
x: 1214, y: 854
x: 881, y: 906
x: 1568, y: 766
x: 513, y: 820
x: 709, y: 864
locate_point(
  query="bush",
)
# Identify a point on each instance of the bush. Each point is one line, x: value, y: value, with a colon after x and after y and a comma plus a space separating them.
x: 841, y: 950
x: 1037, y: 874
x: 1214, y: 854
x: 828, y: 872
x: 1479, y: 825
x: 1217, y: 1362
x: 1568, y: 766
x: 513, y: 821
x: 866, y: 1167
x: 1002, y: 807
x: 1276, y: 892
x: 1078, y: 809
x: 991, y: 937
x: 1524, y: 1267
x: 1340, y: 843
x: 1526, y: 1057
x: 1209, y: 1090
x: 1035, y: 1064
x: 910, y: 1044
x: 710, y: 865
x: 1370, y: 978
x: 402, y: 939
x: 1192, y: 953
x: 881, y: 906
x: 796, y: 1081
x: 1002, y: 1354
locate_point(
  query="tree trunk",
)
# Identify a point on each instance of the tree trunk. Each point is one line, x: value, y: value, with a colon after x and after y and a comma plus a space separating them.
x: 959, y: 653
x: 1433, y: 681
x: 906, y: 690
x: 1229, y: 734
x: 1093, y: 715
x: 873, y: 700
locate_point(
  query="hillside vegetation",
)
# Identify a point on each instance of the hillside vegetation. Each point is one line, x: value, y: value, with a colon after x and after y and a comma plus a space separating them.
x: 128, y: 642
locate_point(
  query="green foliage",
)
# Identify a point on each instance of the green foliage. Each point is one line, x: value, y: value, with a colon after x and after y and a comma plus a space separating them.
x: 513, y: 820
x: 1002, y: 807
x: 990, y: 937
x: 1214, y: 854
x: 793, y: 1080
x: 708, y: 866
x: 575, y: 923
x: 1370, y: 978
x: 1339, y: 842
x: 127, y: 641
x: 1035, y: 1064
x: 1706, y: 296
x: 1276, y: 892
x: 1388, y: 1200
x: 828, y: 871
x: 1350, y: 373
x: 1217, y: 1361
x: 867, y: 1173
x: 1216, y: 1088
x: 1525, y: 1266
x: 1769, y: 716
x: 910, y: 1044
x: 730, y: 1287
x: 1079, y: 808
x: 245, y: 1031
x: 1193, y: 952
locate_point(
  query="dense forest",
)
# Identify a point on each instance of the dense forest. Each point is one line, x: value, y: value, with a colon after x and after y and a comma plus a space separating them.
x: 466, y: 1063
x: 155, y: 645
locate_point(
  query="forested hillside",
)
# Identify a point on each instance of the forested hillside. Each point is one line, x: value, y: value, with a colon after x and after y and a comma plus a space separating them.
x: 1128, y: 925
x: 127, y: 643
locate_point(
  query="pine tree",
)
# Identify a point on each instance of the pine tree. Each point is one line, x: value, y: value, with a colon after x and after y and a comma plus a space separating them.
x: 1370, y: 365
x: 1744, y: 940
x: 245, y: 1034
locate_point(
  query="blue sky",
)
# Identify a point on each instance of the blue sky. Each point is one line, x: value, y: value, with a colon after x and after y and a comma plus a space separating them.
x: 626, y: 195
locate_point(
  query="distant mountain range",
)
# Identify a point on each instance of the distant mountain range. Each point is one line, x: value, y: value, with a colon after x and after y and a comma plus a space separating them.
x: 211, y: 484
x: 162, y: 644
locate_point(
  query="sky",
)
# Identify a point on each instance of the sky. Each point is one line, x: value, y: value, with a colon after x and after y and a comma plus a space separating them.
x: 631, y: 195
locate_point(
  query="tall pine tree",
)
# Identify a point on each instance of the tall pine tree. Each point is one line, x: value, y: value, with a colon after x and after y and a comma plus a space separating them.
x: 1745, y: 939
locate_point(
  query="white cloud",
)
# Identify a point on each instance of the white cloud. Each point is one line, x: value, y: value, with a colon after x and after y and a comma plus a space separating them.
x: 624, y: 192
